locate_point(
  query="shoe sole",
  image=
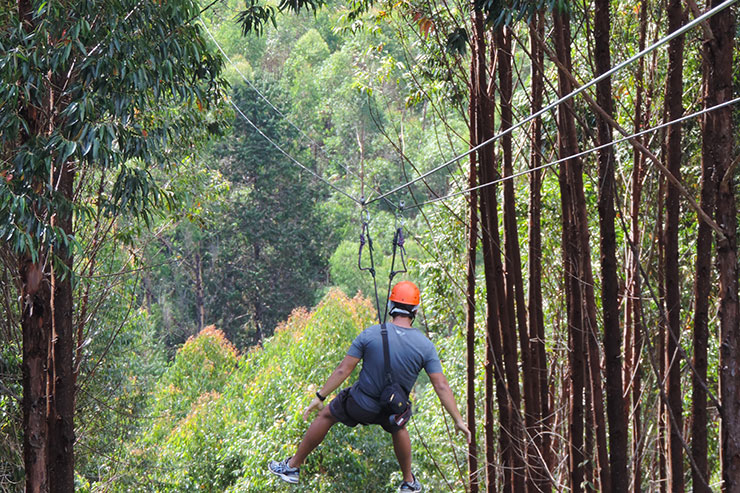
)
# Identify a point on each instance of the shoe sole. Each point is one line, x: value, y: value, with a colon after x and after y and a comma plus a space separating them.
x: 286, y: 478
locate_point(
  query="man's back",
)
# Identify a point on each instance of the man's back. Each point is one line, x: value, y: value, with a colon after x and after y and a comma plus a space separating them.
x: 410, y: 352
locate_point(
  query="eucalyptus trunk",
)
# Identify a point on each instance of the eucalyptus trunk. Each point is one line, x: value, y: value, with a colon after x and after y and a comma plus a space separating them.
x: 673, y: 110
x: 489, y: 225
x: 515, y: 307
x: 61, y: 378
x: 536, y: 318
x: 633, y: 314
x: 572, y: 254
x: 36, y: 325
x: 702, y: 288
x: 717, y: 152
x: 47, y: 320
x: 615, y: 405
x: 470, y: 294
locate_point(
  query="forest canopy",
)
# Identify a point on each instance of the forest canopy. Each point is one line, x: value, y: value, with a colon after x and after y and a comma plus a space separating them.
x: 185, y: 187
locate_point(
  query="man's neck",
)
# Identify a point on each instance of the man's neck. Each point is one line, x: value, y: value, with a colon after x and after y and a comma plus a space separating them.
x: 401, y: 321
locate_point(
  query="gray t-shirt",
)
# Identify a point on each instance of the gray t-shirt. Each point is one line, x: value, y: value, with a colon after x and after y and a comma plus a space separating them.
x: 410, y: 351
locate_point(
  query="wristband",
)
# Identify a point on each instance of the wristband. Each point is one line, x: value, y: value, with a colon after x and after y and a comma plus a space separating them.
x: 320, y: 397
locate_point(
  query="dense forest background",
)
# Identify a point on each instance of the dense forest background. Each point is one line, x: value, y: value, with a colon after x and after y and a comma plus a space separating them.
x: 184, y: 188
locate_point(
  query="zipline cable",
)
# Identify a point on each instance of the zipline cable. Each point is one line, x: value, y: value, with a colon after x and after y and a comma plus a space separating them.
x: 568, y: 96
x: 580, y: 154
x: 259, y: 93
x: 294, y: 160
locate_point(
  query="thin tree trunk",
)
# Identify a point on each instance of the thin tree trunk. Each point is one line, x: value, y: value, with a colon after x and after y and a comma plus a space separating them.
x: 257, y: 301
x: 702, y: 288
x: 199, y: 296
x: 674, y: 110
x: 633, y: 315
x: 610, y: 284
x: 661, y: 347
x: 717, y: 150
x: 589, y: 463
x: 495, y: 351
x: 494, y: 360
x: 505, y: 350
x: 598, y: 420
x: 572, y: 255
x: 514, y: 283
x: 536, y: 317
x: 470, y: 293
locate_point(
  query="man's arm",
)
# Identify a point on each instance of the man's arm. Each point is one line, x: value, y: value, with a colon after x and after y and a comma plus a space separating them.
x: 442, y: 388
x: 339, y: 375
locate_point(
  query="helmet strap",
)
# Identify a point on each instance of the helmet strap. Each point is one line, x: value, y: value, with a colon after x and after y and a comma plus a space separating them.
x: 394, y: 310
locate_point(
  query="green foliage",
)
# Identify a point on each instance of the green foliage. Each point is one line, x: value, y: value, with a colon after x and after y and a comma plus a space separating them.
x: 219, y: 417
x: 202, y: 366
x: 271, y: 238
x: 114, y: 391
x: 223, y: 416
x: 254, y: 17
x: 11, y: 439
x: 114, y: 72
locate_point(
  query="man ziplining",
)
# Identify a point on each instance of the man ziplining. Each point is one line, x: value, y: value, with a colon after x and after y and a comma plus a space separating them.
x: 408, y: 351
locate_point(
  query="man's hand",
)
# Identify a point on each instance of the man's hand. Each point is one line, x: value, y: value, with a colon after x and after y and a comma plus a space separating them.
x: 316, y: 405
x: 463, y: 428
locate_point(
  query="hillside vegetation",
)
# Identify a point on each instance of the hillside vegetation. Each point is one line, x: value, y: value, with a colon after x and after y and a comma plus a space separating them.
x: 218, y: 416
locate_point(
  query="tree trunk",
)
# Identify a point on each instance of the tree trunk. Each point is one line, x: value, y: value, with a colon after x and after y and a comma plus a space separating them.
x: 536, y: 317
x: 470, y: 293
x: 633, y: 313
x: 717, y: 152
x: 596, y: 390
x: 674, y: 110
x: 61, y: 371
x: 702, y: 288
x: 47, y: 324
x: 489, y: 225
x: 660, y: 350
x: 36, y: 324
x: 199, y: 296
x: 615, y: 406
x: 591, y: 482
x: 36, y: 321
x: 515, y: 306
x: 569, y: 169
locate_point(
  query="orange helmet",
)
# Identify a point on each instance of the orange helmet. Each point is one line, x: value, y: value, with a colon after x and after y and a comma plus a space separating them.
x: 405, y: 292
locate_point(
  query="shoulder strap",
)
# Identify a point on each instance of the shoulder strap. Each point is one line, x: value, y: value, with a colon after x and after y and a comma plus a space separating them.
x: 386, y: 355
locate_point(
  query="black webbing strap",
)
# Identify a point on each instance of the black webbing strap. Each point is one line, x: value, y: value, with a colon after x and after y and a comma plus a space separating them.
x: 371, y: 268
x: 386, y: 355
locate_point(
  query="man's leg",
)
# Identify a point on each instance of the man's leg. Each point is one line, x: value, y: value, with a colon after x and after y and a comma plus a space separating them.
x: 315, y: 435
x: 402, y: 448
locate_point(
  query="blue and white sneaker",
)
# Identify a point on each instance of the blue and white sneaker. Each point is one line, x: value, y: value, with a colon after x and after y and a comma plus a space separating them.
x: 412, y: 487
x: 287, y: 473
